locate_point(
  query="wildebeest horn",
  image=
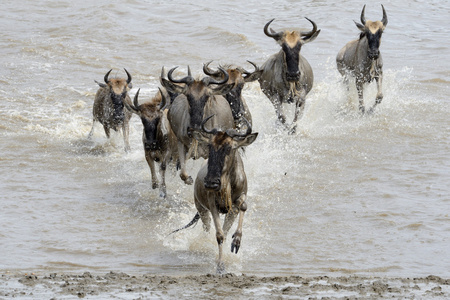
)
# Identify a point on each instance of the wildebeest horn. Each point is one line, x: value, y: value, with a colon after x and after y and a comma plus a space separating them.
x: 310, y: 33
x: 129, y: 76
x: 254, y: 65
x: 212, y: 131
x: 209, y: 71
x: 187, y: 80
x: 272, y: 34
x: 106, y: 76
x: 163, y: 103
x: 130, y: 106
x: 224, y: 80
x: 135, y: 101
x: 234, y: 133
x: 385, y: 19
x: 363, y: 18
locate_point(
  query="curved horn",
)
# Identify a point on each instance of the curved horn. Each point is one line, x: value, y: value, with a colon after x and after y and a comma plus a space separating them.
x: 234, y: 133
x: 162, y: 72
x: 163, y: 103
x: 275, y: 35
x: 189, y: 71
x: 135, y: 101
x: 188, y: 79
x: 254, y: 66
x: 208, y: 71
x: 212, y: 131
x: 385, y: 19
x: 129, y: 76
x: 224, y: 80
x: 363, y: 18
x: 106, y: 76
x: 310, y: 33
x: 131, y: 107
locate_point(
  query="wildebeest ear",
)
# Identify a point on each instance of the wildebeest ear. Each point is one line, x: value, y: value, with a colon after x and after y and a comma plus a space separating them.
x: 100, y: 84
x: 223, y: 89
x: 360, y: 26
x: 253, y: 76
x: 200, y: 136
x: 172, y: 87
x: 311, y: 38
x: 242, y: 142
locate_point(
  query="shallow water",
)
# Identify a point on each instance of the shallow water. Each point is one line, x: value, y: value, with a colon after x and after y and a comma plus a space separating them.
x: 344, y: 195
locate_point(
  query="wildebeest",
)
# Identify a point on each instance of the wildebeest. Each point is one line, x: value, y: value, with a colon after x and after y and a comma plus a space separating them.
x: 287, y: 77
x: 160, y: 143
x: 197, y: 98
x: 221, y: 184
x: 361, y: 58
x: 238, y: 76
x: 108, y: 106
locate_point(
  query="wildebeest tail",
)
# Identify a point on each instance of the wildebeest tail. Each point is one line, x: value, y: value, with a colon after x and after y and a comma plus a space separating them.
x: 192, y: 222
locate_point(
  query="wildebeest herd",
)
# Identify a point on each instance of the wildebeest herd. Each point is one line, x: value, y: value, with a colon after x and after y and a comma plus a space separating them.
x: 209, y: 118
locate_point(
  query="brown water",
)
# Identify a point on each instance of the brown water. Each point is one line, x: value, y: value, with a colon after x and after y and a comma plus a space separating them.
x: 345, y: 195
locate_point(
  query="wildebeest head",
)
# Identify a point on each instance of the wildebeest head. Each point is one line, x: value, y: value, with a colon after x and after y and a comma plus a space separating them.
x: 222, y: 146
x: 118, y: 89
x: 372, y: 30
x: 197, y: 92
x: 291, y: 43
x: 237, y: 77
x: 150, y: 114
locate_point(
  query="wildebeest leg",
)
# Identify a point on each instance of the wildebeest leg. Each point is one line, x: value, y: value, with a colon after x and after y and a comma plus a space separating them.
x: 359, y: 89
x: 182, y: 157
x: 299, y: 108
x: 219, y: 233
x: 379, y: 97
x: 151, y: 164
x: 162, y: 173
x: 204, y: 215
x: 237, y: 236
x: 228, y: 222
x: 126, y: 133
x: 279, y: 109
x: 107, y: 131
x: 92, y: 130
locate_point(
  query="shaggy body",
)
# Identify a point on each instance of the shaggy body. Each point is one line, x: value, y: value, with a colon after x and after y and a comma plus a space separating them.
x: 237, y: 77
x: 108, y: 108
x: 221, y: 185
x: 195, y: 101
x: 362, y: 59
x: 158, y: 139
x: 287, y: 77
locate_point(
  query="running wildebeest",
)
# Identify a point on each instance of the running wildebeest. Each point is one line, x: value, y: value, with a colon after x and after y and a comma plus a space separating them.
x: 237, y: 76
x: 362, y: 60
x: 287, y: 77
x: 108, y: 106
x: 221, y: 184
x: 160, y: 143
x: 197, y: 98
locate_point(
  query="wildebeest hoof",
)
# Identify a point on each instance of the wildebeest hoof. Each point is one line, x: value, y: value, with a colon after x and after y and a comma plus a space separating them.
x: 220, y: 268
x: 362, y: 109
x: 154, y: 185
x: 162, y: 194
x: 370, y: 111
x: 189, y: 180
x: 292, y: 129
x: 236, y: 244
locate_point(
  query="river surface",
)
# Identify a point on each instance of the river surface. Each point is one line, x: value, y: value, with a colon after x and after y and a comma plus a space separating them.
x: 344, y: 195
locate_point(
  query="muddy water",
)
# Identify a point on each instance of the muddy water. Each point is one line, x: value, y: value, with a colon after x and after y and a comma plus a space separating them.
x: 344, y: 195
